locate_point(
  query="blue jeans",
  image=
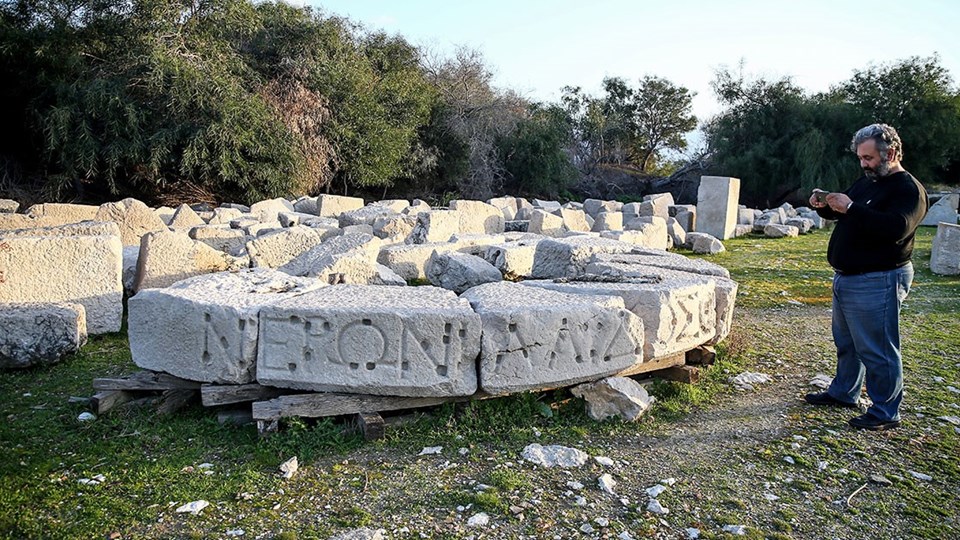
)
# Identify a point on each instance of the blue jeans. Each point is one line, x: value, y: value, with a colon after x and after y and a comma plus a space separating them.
x: 866, y: 330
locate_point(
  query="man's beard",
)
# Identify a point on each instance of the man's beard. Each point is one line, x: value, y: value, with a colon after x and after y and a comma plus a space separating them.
x: 882, y: 170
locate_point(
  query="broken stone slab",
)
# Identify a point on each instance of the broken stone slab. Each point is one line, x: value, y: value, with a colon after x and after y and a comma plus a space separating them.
x: 594, y: 207
x: 813, y: 216
x: 658, y: 206
x: 409, y: 261
x: 458, y: 272
x: 416, y: 206
x: 363, y: 228
x: 84, y: 228
x: 780, y: 231
x: 661, y: 259
x: 224, y: 216
x: 717, y: 208
x: 568, y: 257
x: 945, y: 251
x: 803, y: 225
x: 676, y: 233
x: 608, y: 221
x: 942, y: 211
x: 257, y: 228
x: 574, y: 220
x: 275, y: 249
x: 221, y: 238
x: 9, y: 206
x: 400, y: 341
x: 396, y: 205
x: 435, y: 226
x: 505, y: 204
x: 769, y: 217
x: 679, y: 310
x: 184, y: 217
x: 513, y: 259
x: 63, y: 213
x: 350, y: 258
x: 306, y: 205
x: 704, y: 244
x: 334, y: 205
x: 134, y: 218
x: 516, y: 226
x: 535, y: 338
x: 364, y: 216
x: 269, y: 210
x: 549, y: 206
x: 205, y: 328
x: 545, y: 223
x: 476, y: 244
x: 36, y: 334
x: 478, y: 217
x: 394, y: 229
x: 745, y: 216
x: 167, y: 257
x: 290, y: 219
x: 614, y: 396
x: 34, y: 269
x: 742, y: 230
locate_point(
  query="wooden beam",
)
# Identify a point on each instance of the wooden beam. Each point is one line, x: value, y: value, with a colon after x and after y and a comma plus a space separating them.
x: 654, y: 365
x: 704, y: 355
x: 227, y: 394
x: 174, y: 400
x: 145, y: 380
x: 335, y: 404
x: 371, y: 425
x: 684, y: 374
x: 102, y: 402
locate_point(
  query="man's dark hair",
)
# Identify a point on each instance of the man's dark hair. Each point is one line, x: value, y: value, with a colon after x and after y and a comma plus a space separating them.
x: 885, y: 136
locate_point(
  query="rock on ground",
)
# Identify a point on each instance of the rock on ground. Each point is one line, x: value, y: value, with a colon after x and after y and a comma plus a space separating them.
x: 40, y: 334
x: 614, y: 396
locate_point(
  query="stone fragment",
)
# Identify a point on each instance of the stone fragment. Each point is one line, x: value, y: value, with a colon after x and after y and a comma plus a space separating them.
x: 608, y: 221
x: 945, y: 251
x: 594, y: 207
x: 400, y: 341
x: 549, y: 206
x: 769, y: 217
x: 194, y: 507
x: 435, y: 226
x: 717, y: 209
x: 554, y: 455
x: 650, y: 231
x: 334, y: 205
x: 676, y: 233
x: 745, y: 216
x: 290, y: 219
x: 289, y: 468
x: 478, y: 217
x: 742, y: 230
x: 350, y: 258
x: 942, y: 211
x: 545, y: 223
x: 416, y: 207
x: 85, y: 228
x: 747, y: 380
x: 394, y: 229
x: 395, y: 205
x: 409, y: 261
x: 364, y: 216
x: 277, y: 248
x: 134, y: 218
x: 516, y: 226
x: 535, y: 338
x: 362, y: 228
x: 224, y: 216
x: 513, y: 259
x: 76, y: 268
x: 305, y: 205
x: 363, y: 533
x: 222, y: 238
x: 803, y: 225
x: 131, y: 256
x: 574, y: 220
x: 568, y: 257
x: 658, y: 258
x: 167, y: 257
x: 780, y: 231
x: 657, y: 205
x: 476, y: 244
x: 704, y: 243
x: 9, y: 206
x: 606, y: 483
x: 383, y: 275
x: 270, y: 209
x: 54, y: 214
x: 459, y: 271
x: 206, y: 328
x: 184, y: 218
x: 614, y: 396
x: 40, y: 334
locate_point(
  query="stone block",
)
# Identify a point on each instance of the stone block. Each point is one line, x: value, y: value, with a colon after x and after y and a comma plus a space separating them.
x: 478, y: 217
x: 334, y: 205
x: 513, y: 259
x: 394, y: 229
x: 399, y: 341
x: 184, y: 217
x: 9, y: 206
x: 568, y: 257
x: 409, y: 261
x: 395, y: 205
x: 435, y: 226
x: 275, y: 249
x: 942, y: 211
x: 687, y: 220
x: 458, y: 272
x: 659, y: 259
x: 306, y: 205
x: 630, y: 210
x: 63, y: 213
x: 945, y: 251
x: 168, y: 257
x: 221, y: 238
x: 704, y: 244
x: 545, y: 223
x: 224, y: 216
x: 364, y: 216
x: 717, y: 208
x: 290, y: 219
x: 594, y: 207
x: 535, y: 338
x: 742, y: 230
x: 507, y: 205
x: 131, y: 258
x: 614, y: 396
x: 649, y: 231
x: 657, y: 205
x: 780, y: 231
x: 803, y: 225
x: 769, y: 217
x: 574, y: 220
x: 416, y: 207
x: 39, y: 333
x: 549, y: 206
x: 134, y: 218
x: 80, y: 269
x: 206, y: 328
x: 745, y: 216
x: 476, y: 244
x: 516, y: 226
x: 676, y: 232
x: 350, y: 258
x: 608, y: 221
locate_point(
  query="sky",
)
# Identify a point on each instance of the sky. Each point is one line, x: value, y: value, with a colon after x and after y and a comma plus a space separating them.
x: 536, y: 47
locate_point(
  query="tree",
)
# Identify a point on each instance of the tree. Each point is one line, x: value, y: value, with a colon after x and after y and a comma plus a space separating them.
x: 534, y: 153
x: 661, y: 117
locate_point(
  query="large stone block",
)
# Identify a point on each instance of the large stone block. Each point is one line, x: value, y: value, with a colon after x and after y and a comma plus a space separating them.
x: 536, y: 338
x: 79, y: 269
x: 400, y: 341
x: 275, y: 249
x: 184, y: 217
x: 222, y: 238
x: 167, y: 257
x: 705, y: 244
x: 657, y: 205
x: 608, y: 221
x: 367, y: 215
x: 134, y: 218
x: 396, y: 205
x: 945, y: 252
x: 574, y: 220
x: 63, y: 213
x: 10, y: 206
x: 594, y: 207
x: 40, y: 334
x: 478, y: 217
x: 659, y: 259
x: 458, y: 272
x: 394, y: 229
x: 545, y: 223
x: 942, y: 211
x: 224, y: 216
x: 568, y: 257
x: 717, y: 206
x: 350, y: 258
x: 513, y: 259
x: 206, y: 328
x: 435, y: 226
x: 409, y: 261
x: 334, y: 205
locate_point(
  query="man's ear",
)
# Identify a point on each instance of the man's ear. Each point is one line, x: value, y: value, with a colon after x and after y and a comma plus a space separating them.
x: 891, y: 154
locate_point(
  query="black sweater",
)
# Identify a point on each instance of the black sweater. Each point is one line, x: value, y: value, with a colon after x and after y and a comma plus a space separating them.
x: 877, y: 231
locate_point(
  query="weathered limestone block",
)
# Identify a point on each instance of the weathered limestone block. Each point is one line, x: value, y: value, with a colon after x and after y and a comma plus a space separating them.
x: 507, y: 205
x: 476, y: 244
x: 385, y: 276
x: 185, y: 218
x: 614, y: 396
x: 678, y: 309
x: 236, y: 206
x: 657, y: 205
x: 678, y: 236
x: 395, y: 205
x: 659, y: 259
x: 594, y: 207
x: 416, y: 206
x: 788, y: 210
x: 9, y: 206
x: 224, y: 216
x: 364, y: 216
x: 812, y: 215
x: 458, y: 272
x: 523, y: 214
x: 780, y: 231
x: 686, y: 218
x: 944, y: 210
x: 435, y: 226
x: 608, y: 221
x: 478, y: 217
x: 206, y: 328
x: 717, y: 209
x: 275, y: 249
x: 394, y: 229
x: 334, y: 205
x: 269, y: 210
x: 134, y: 218
x: 630, y: 210
x: 726, y: 301
x: 513, y: 259
x: 167, y: 257
x: 400, y: 341
x: 291, y: 219
x: 63, y: 213
x: 549, y: 206
x: 516, y: 226
x: 769, y: 217
x: 131, y: 258
x: 742, y: 230
x: 306, y: 205
x: 409, y: 261
x: 545, y: 223
x: 81, y: 269
x: 745, y: 216
x: 704, y: 243
x: 945, y: 252
x: 350, y: 258
x: 222, y: 238
x: 568, y: 257
x: 358, y: 229
x: 40, y: 334
x: 802, y: 224
x: 536, y: 338
x: 652, y: 232
x: 574, y: 220
x: 85, y: 228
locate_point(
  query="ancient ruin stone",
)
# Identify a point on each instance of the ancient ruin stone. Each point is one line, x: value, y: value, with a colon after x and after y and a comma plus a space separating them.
x: 574, y: 220
x: 394, y: 229
x: 401, y: 341
x: 535, y: 338
x: 945, y: 252
x: 660, y: 259
x: 478, y: 217
x: 270, y: 209
x: 54, y: 214
x: 780, y: 231
x: 206, y: 328
x: 40, y: 333
x: 9, y: 206
x: 568, y: 257
x: 275, y: 249
x: 223, y: 216
x: 608, y: 221
x: 435, y: 226
x: 942, y: 211
x: 545, y: 223
x: 717, y: 209
x: 134, y: 218
x: 334, y: 205
x: 350, y: 258
x: 595, y: 207
x: 704, y: 243
x: 184, y: 218
x: 409, y: 261
x: 167, y: 257
x: 513, y: 259
x: 222, y: 238
x: 458, y: 272
x: 367, y: 215
x: 614, y: 396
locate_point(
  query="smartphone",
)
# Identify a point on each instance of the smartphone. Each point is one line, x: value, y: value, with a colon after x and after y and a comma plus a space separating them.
x: 820, y: 196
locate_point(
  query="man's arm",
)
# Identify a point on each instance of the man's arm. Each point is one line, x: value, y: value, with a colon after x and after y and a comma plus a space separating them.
x: 894, y: 223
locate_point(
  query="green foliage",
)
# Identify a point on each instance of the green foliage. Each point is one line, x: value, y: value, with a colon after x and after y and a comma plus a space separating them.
x: 534, y: 156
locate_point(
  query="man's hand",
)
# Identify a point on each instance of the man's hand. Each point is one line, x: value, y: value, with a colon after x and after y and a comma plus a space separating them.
x: 838, y: 202
x: 813, y: 199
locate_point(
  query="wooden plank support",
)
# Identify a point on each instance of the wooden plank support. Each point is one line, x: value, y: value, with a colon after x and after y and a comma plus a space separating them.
x: 145, y: 380
x: 371, y: 425
x: 684, y: 374
x: 654, y: 365
x: 322, y: 404
x: 228, y: 394
x: 102, y: 402
x: 237, y: 417
x: 174, y: 400
x: 704, y: 355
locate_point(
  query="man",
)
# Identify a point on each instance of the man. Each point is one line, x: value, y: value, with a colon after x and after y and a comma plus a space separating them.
x: 870, y: 251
